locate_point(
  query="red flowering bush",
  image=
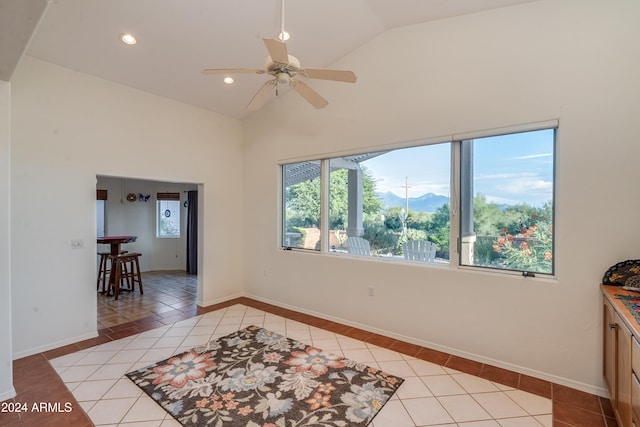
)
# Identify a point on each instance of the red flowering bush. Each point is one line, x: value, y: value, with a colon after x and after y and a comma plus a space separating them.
x: 528, y: 249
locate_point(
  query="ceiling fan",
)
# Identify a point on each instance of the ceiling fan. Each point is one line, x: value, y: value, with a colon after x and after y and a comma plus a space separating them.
x: 286, y: 69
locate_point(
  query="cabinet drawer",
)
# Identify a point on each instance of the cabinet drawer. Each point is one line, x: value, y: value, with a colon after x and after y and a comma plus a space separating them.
x: 635, y: 356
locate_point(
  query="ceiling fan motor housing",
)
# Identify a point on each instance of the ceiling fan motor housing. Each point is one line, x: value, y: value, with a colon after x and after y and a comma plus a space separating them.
x: 275, y: 68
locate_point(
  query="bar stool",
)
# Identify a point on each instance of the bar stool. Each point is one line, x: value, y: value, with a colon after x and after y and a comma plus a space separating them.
x: 125, y: 267
x: 103, y: 272
x: 104, y: 269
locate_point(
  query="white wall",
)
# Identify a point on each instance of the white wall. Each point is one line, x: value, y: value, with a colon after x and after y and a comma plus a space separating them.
x: 68, y: 128
x: 139, y: 219
x: 6, y: 369
x: 572, y: 60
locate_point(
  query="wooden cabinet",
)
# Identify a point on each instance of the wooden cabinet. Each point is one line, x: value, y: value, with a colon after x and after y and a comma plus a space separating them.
x: 635, y: 380
x: 610, y: 347
x: 621, y: 363
x: 624, y: 372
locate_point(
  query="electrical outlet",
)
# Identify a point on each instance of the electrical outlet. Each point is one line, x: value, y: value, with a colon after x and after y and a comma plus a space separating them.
x: 371, y: 291
x: 77, y: 244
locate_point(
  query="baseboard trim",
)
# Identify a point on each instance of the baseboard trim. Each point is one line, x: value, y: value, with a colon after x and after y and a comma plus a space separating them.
x: 51, y: 346
x: 204, y: 304
x: 587, y: 388
x: 9, y: 394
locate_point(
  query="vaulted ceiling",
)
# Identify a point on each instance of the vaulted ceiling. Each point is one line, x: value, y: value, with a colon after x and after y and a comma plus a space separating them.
x: 178, y: 39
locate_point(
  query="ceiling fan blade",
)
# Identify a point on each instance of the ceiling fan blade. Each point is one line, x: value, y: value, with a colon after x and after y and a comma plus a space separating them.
x: 277, y: 50
x: 337, y: 75
x: 309, y: 94
x: 234, y: 71
x: 261, y: 96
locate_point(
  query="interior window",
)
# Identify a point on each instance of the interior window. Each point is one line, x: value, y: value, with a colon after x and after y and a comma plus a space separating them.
x: 168, y: 219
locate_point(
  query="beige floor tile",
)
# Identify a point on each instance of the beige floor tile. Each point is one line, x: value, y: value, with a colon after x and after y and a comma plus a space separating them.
x: 393, y: 414
x: 398, y: 368
x: 463, y: 408
x: 499, y: 405
x: 145, y: 409
x: 97, y: 357
x: 413, y: 387
x: 519, y: 422
x: 427, y: 411
x: 442, y: 385
x: 92, y: 390
x: 431, y: 395
x: 422, y: 367
x: 128, y: 356
x: 110, y: 411
x: 110, y: 371
x: 533, y: 404
x: 473, y: 384
x: 123, y: 388
x: 170, y: 422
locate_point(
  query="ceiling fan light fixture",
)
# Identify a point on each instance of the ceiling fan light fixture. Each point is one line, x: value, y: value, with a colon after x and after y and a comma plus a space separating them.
x: 283, y: 78
x: 284, y: 36
x: 128, y: 39
x: 228, y: 80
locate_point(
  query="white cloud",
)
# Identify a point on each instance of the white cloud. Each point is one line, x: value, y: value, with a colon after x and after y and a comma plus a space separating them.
x: 533, y: 156
x: 514, y: 188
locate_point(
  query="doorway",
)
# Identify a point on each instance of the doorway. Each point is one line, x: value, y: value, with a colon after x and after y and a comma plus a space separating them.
x: 158, y: 214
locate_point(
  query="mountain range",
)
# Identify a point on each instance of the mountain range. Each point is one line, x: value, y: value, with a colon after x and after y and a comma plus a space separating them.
x: 429, y: 202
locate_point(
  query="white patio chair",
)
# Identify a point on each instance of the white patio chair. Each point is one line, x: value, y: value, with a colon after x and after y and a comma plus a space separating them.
x: 358, y: 246
x: 419, y: 250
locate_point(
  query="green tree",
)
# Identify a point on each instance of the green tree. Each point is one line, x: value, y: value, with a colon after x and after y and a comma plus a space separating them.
x: 439, y: 230
x: 303, y: 200
x: 419, y: 220
x: 303, y: 203
x: 392, y: 218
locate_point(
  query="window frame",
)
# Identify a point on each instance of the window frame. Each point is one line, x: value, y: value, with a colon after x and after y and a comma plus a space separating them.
x: 283, y: 209
x: 169, y: 198
x: 461, y: 191
x: 454, y: 201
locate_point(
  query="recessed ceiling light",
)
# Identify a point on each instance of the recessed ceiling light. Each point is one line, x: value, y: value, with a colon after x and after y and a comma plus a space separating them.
x: 228, y: 80
x: 128, y: 39
x: 284, y: 36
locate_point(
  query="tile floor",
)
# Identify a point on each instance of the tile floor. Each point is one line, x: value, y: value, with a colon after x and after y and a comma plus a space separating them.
x: 440, y: 389
x: 167, y: 293
x: 431, y: 396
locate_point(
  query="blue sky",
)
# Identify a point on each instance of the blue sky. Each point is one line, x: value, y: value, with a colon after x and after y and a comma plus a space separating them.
x: 508, y: 169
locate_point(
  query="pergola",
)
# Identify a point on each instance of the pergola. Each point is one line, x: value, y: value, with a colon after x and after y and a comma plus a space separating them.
x: 306, y: 171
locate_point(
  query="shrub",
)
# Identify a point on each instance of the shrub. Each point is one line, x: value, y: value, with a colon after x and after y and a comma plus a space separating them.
x: 530, y: 249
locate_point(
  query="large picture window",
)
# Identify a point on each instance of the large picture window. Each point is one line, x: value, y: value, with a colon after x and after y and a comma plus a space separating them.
x: 397, y: 204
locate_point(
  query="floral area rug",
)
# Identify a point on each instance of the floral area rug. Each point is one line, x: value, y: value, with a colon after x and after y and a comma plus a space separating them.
x: 257, y: 378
